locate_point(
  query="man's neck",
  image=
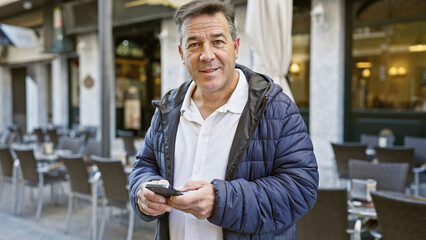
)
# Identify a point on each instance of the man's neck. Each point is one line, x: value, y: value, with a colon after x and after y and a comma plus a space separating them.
x: 208, y: 102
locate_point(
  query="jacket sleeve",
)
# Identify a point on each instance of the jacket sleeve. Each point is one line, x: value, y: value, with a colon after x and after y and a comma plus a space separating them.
x: 272, y: 203
x: 145, y: 168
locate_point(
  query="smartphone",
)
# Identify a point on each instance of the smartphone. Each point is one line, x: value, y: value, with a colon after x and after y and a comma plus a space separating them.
x: 164, y: 190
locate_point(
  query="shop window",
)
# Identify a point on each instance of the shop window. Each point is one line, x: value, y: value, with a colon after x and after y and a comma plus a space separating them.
x: 389, y: 66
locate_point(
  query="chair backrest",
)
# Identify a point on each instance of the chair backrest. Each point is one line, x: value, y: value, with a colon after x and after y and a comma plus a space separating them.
x: 72, y: 144
x: 39, y: 134
x: 6, y: 161
x: 128, y: 140
x: 28, y: 164
x: 344, y: 152
x: 419, y: 146
x: 395, y: 154
x: 376, y: 140
x: 93, y: 147
x: 328, y: 219
x: 15, y: 134
x: 78, y: 174
x: 53, y: 136
x: 389, y: 176
x: 114, y: 180
x: 399, y: 216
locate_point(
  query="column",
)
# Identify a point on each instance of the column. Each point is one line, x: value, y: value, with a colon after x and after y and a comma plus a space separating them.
x: 327, y: 82
x: 90, y: 103
x: 6, y: 111
x: 106, y: 74
x: 173, y: 72
x: 36, y: 96
x: 60, y: 91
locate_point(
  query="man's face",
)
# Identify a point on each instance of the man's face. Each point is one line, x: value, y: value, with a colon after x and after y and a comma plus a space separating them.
x: 208, y: 52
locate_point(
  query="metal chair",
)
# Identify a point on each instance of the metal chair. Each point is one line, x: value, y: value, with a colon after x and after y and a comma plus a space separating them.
x: 9, y: 173
x: 72, y: 144
x: 419, y: 170
x: 328, y: 219
x: 376, y: 140
x: 389, y: 176
x: 39, y: 133
x: 93, y: 147
x: 116, y: 192
x: 400, y: 216
x: 397, y: 154
x: 82, y: 187
x: 36, y: 176
x: 53, y: 136
x: 129, y: 143
x: 346, y: 151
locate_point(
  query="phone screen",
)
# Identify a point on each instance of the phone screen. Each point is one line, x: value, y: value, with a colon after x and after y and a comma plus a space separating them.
x: 163, y: 190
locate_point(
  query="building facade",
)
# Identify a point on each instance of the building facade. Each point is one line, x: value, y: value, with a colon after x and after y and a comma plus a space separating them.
x: 353, y: 71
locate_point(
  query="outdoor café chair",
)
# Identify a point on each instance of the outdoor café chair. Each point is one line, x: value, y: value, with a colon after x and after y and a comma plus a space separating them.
x: 376, y: 140
x: 328, y: 219
x: 419, y: 170
x: 115, y: 190
x: 389, y: 176
x: 53, y: 136
x: 397, y: 154
x: 72, y: 144
x: 400, y: 216
x: 36, y: 176
x: 346, y: 151
x: 129, y: 143
x: 9, y: 167
x: 82, y: 187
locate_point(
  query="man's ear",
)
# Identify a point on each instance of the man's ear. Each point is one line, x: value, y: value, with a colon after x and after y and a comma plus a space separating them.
x: 236, y: 46
x: 181, y: 54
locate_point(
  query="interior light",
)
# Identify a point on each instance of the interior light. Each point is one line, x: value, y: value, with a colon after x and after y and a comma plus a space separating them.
x: 363, y: 65
x: 402, y: 71
x: 366, y: 73
x: 295, y: 68
x: 393, y: 71
x: 417, y: 48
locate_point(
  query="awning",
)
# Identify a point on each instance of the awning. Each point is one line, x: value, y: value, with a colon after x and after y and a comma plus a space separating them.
x: 17, y: 36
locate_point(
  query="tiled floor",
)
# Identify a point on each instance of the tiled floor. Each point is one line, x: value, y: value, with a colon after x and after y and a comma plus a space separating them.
x: 51, y: 225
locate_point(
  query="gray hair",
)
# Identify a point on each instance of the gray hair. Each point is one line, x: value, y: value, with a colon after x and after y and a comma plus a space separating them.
x: 209, y: 7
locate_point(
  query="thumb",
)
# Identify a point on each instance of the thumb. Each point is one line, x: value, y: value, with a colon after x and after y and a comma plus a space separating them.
x: 191, y: 185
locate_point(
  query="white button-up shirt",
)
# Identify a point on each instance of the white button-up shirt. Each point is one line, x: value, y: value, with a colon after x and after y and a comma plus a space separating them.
x: 201, y: 153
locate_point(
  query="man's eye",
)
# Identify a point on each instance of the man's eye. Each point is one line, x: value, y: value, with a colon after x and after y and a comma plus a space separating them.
x: 193, y: 45
x: 218, y: 42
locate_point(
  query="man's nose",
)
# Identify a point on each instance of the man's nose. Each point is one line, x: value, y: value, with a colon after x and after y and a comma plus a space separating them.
x: 207, y: 54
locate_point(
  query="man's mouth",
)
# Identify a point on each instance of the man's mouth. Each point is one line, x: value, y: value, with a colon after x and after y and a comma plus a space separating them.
x: 209, y: 70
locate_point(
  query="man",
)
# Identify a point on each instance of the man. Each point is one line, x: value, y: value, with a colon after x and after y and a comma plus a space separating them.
x: 229, y: 139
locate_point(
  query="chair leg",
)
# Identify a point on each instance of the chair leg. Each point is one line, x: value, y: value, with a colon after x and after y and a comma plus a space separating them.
x: 1, y: 187
x: 70, y: 202
x: 131, y: 223
x: 21, y: 198
x: 39, y: 201
x: 103, y: 220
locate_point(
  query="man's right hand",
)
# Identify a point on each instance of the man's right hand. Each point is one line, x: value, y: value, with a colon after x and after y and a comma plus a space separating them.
x: 150, y: 203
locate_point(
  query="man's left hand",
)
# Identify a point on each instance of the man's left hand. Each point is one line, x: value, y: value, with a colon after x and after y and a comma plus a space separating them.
x: 199, y: 203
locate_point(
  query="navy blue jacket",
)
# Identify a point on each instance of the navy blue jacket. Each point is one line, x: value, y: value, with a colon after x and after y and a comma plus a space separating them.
x: 271, y: 178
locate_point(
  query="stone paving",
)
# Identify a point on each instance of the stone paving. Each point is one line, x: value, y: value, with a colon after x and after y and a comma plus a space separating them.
x: 51, y: 225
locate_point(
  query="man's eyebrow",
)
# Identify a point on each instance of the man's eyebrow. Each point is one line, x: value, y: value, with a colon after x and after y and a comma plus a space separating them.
x: 218, y: 35
x: 192, y: 38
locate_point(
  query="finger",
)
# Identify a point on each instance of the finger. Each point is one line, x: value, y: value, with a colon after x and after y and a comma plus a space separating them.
x: 151, y: 196
x: 192, y: 185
